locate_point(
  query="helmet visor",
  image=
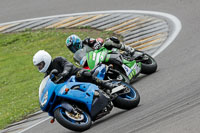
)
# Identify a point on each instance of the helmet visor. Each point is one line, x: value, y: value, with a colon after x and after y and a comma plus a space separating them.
x: 40, y: 65
x: 72, y: 48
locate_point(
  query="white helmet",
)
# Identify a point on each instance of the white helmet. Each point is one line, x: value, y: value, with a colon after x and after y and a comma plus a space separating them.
x: 42, y: 60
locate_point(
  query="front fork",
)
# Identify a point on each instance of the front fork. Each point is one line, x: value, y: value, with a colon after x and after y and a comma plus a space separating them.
x: 68, y: 107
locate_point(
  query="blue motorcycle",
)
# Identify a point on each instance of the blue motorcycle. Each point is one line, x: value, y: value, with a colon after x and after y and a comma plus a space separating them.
x: 76, y: 104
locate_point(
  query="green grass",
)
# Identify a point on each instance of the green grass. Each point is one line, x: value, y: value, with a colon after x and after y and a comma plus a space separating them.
x: 20, y: 80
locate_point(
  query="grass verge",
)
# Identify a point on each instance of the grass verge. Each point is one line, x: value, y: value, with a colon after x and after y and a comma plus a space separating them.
x: 20, y: 80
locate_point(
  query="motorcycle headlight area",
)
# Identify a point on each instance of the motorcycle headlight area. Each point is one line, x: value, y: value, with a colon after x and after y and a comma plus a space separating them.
x: 44, y: 99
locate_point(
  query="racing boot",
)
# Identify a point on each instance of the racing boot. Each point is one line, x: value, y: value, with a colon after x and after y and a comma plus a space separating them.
x: 85, y: 76
x: 127, y: 49
x: 105, y: 85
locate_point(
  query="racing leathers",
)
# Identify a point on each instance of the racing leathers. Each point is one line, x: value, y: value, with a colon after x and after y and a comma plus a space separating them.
x: 91, y: 44
x: 67, y: 69
x: 113, y: 42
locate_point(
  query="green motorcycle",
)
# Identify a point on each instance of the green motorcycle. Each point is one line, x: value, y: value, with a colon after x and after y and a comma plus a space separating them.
x: 121, y: 65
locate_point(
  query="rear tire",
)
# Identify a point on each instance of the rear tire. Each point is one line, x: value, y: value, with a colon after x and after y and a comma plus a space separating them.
x: 72, y: 124
x: 127, y: 101
x: 148, y: 66
x: 120, y: 76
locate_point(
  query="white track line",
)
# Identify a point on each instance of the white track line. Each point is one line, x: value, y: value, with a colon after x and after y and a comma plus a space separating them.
x: 26, y: 129
x: 174, y: 20
x: 176, y: 29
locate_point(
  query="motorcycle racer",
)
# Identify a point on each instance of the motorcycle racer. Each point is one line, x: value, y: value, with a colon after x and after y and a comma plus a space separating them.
x: 76, y: 45
x: 43, y: 61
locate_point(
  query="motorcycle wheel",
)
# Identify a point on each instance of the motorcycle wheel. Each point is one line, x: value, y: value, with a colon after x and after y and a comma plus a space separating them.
x: 120, y: 75
x: 80, y: 122
x: 148, y: 65
x: 129, y: 100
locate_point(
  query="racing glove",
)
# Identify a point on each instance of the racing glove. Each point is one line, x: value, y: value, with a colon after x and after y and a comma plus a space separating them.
x: 115, y: 39
x: 109, y: 44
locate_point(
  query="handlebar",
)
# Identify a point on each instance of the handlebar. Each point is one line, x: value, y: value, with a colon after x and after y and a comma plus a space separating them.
x: 52, y: 74
x: 54, y: 71
x: 60, y: 78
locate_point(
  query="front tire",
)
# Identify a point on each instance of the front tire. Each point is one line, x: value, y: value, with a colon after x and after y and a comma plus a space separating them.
x: 73, y: 122
x: 129, y: 100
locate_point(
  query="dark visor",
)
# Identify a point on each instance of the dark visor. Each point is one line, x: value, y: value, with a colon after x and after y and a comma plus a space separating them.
x: 72, y: 48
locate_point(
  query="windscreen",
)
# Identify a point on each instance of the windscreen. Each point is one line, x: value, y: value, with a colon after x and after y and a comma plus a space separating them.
x: 81, y: 53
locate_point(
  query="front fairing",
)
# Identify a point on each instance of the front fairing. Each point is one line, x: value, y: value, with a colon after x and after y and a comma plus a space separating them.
x: 96, y: 56
x: 46, y: 92
x: 81, y: 53
x: 79, y: 92
x: 50, y: 93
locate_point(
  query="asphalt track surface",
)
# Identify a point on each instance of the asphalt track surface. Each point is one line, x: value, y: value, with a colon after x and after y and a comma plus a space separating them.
x: 170, y: 98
